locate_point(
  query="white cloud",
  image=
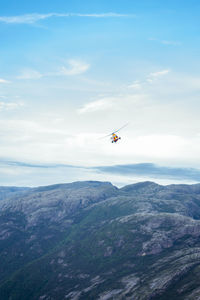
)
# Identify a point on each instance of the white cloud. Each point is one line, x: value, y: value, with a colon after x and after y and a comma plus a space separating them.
x: 159, y: 73
x: 103, y: 15
x: 76, y: 67
x: 33, y: 18
x: 173, y: 43
x: 157, y: 132
x: 25, y: 19
x: 4, y: 80
x: 165, y: 42
x: 30, y: 74
x: 152, y: 39
x: 10, y: 105
x: 135, y: 85
x: 106, y: 103
x: 156, y: 75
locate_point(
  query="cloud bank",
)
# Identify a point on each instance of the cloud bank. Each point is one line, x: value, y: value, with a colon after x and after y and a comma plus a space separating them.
x: 153, y: 171
x: 33, y: 174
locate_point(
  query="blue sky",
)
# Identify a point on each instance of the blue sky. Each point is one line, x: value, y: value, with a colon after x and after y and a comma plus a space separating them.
x: 73, y: 71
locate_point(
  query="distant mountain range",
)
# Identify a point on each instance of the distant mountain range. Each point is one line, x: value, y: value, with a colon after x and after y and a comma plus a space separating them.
x: 91, y: 240
x: 34, y: 174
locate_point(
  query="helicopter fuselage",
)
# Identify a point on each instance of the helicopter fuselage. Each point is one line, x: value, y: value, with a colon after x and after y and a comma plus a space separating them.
x: 115, y: 138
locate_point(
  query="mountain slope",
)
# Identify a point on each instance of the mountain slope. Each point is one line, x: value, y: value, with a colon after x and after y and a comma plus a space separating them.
x: 90, y: 240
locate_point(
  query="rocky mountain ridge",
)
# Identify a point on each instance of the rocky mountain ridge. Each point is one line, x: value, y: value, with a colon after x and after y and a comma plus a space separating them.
x: 91, y: 240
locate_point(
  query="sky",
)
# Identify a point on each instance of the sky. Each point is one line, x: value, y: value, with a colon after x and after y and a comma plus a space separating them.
x: 72, y: 72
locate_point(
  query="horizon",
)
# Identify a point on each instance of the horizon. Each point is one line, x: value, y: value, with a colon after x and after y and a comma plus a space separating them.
x: 102, y: 182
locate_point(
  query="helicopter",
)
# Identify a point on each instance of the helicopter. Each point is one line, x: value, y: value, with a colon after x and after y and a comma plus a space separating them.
x: 114, y: 137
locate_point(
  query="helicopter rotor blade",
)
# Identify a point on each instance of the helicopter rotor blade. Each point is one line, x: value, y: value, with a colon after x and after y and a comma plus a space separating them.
x: 120, y: 128
x: 106, y: 136
x: 114, y: 131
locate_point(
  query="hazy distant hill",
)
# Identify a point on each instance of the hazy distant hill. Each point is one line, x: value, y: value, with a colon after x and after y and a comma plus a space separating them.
x: 91, y: 240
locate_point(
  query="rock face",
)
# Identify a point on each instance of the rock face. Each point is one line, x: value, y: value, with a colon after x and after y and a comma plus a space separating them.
x: 91, y: 240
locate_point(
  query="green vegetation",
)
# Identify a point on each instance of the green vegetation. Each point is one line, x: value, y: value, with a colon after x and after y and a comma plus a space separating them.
x: 96, y: 242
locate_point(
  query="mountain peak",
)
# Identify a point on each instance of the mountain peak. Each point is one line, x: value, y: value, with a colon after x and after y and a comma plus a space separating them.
x: 141, y: 186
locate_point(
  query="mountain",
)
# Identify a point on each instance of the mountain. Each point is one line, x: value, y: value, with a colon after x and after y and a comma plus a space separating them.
x: 6, y: 192
x: 91, y: 240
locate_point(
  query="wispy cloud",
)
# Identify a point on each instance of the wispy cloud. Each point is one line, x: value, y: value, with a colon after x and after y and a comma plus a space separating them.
x: 135, y: 85
x: 155, y: 75
x: 30, y: 74
x: 173, y: 43
x: 76, y: 67
x: 166, y: 42
x: 25, y: 19
x: 33, y: 18
x: 4, y: 80
x: 10, y: 105
x: 152, y: 77
x: 159, y: 73
x: 98, y: 105
x: 102, y: 15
